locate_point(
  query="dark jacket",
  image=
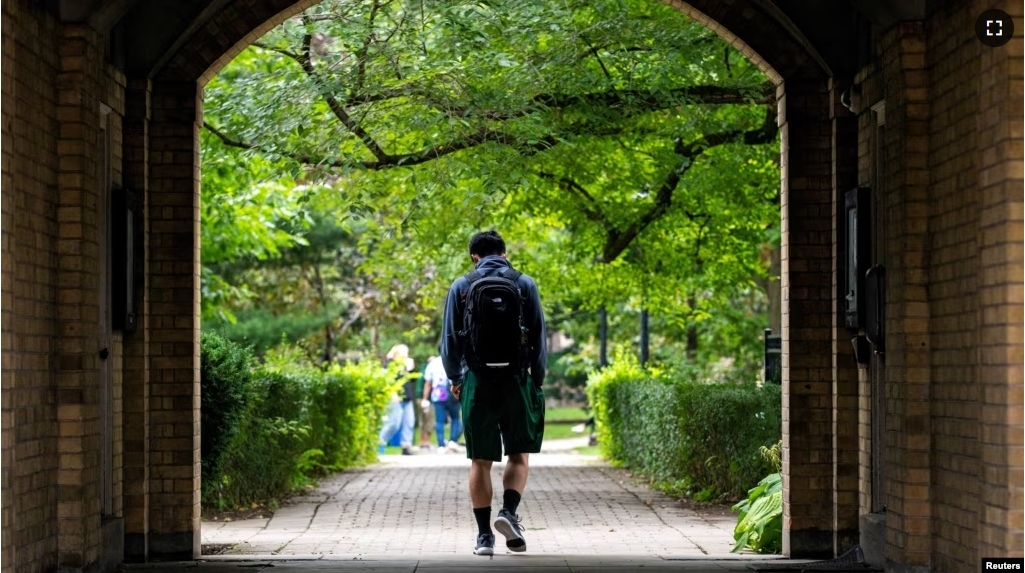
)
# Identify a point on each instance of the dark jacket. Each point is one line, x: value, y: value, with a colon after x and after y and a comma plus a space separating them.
x: 533, y: 318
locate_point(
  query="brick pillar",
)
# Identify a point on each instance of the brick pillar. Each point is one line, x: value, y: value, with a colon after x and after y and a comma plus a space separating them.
x: 79, y: 179
x: 905, y: 213
x: 174, y: 299
x: 999, y: 238
x: 806, y: 263
x: 845, y: 367
x: 136, y: 344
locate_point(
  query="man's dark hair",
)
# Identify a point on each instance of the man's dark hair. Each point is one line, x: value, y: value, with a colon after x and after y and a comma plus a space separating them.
x: 487, y: 243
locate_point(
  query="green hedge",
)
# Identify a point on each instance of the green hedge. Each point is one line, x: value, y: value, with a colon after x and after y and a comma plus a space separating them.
x: 292, y: 422
x: 689, y: 437
x: 225, y: 378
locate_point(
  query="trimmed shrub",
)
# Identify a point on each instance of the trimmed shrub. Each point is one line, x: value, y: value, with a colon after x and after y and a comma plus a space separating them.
x: 299, y: 422
x: 224, y: 377
x: 695, y: 439
x: 341, y: 406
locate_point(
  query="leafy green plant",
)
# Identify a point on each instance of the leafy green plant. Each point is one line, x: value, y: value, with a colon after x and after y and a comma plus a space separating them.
x: 259, y: 464
x: 760, y: 524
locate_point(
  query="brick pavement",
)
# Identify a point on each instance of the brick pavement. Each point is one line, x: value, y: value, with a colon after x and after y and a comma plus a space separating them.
x: 417, y: 506
x: 411, y: 515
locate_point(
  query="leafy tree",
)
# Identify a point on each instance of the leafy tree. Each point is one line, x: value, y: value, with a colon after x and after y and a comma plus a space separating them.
x: 627, y: 153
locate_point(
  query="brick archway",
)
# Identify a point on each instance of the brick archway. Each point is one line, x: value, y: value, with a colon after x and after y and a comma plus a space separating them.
x: 755, y: 28
x: 814, y: 525
x: 109, y: 93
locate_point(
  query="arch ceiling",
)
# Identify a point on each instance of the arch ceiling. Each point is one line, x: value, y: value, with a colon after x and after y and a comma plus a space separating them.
x: 188, y: 40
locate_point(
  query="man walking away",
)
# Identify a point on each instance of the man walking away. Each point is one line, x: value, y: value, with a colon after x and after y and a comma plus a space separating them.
x: 494, y: 353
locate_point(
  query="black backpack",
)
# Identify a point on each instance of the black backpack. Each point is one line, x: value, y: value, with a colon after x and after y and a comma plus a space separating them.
x: 494, y: 338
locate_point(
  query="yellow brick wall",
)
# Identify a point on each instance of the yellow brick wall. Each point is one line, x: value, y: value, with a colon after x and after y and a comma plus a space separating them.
x: 53, y: 82
x: 954, y: 271
x: 29, y: 229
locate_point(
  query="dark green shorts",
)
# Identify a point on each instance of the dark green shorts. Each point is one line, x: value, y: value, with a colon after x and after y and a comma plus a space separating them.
x: 497, y: 413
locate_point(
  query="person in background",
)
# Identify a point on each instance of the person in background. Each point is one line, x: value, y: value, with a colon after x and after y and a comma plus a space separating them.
x: 438, y: 394
x: 400, y: 415
x: 425, y: 414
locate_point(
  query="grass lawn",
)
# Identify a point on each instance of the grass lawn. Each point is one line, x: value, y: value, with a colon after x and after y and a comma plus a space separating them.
x: 557, y: 431
x: 576, y: 414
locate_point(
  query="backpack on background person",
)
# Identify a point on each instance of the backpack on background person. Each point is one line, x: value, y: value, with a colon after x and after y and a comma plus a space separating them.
x: 440, y: 384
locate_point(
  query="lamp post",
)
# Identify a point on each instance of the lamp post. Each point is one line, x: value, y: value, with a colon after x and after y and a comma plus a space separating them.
x: 644, y: 336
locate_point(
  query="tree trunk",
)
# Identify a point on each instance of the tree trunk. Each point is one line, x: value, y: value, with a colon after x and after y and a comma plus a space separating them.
x: 329, y: 344
x: 603, y: 334
x: 692, y: 336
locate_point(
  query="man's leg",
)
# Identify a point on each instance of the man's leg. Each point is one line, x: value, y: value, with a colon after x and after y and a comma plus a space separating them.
x: 524, y: 419
x: 480, y: 485
x: 483, y: 448
x: 480, y: 498
x: 515, y: 475
x: 514, y: 479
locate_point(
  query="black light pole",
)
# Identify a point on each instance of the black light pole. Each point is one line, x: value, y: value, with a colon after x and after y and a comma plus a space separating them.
x: 644, y: 337
x: 603, y: 335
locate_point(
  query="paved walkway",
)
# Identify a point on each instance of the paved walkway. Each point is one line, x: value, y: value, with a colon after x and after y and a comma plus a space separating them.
x: 411, y: 513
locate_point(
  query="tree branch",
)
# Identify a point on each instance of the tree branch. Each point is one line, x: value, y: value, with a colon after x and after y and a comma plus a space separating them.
x: 640, y: 98
x: 485, y: 135
x: 592, y: 210
x: 597, y: 56
x: 624, y: 98
x: 336, y: 108
x: 698, y: 263
x: 405, y: 159
x: 361, y: 54
x: 617, y: 241
x: 302, y: 158
x: 281, y: 51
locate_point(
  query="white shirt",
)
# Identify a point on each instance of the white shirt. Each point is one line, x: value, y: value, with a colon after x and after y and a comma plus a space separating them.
x: 435, y: 375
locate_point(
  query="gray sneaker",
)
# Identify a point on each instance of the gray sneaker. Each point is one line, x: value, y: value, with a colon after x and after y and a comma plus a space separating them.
x: 508, y: 524
x: 485, y: 544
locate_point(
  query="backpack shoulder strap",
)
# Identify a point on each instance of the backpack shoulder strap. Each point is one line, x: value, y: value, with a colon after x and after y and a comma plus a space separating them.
x: 471, y: 277
x: 510, y: 273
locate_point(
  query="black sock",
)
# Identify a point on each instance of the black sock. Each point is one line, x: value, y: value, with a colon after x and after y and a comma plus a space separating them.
x: 483, y: 517
x: 510, y: 500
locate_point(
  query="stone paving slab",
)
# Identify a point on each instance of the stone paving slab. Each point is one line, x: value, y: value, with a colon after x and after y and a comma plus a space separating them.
x: 418, y: 507
x: 498, y: 564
